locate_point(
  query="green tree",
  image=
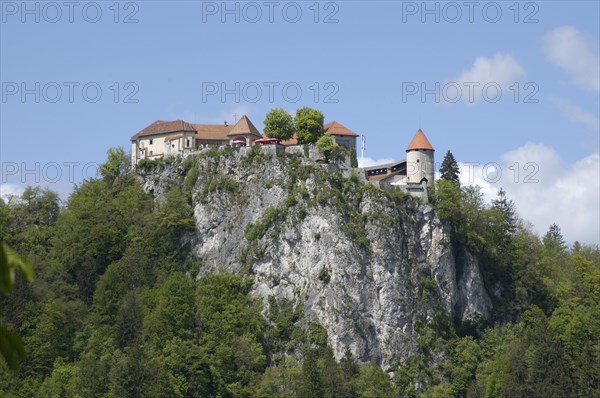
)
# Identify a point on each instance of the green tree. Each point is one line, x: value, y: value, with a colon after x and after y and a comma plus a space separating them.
x: 52, y: 334
x: 508, y: 210
x: 131, y: 374
x: 349, y: 366
x: 117, y: 164
x: 554, y: 238
x: 231, y: 330
x: 11, y: 346
x: 62, y: 383
x: 28, y: 220
x: 353, y: 158
x: 41, y: 205
x: 190, y: 368
x: 311, y: 384
x: 279, y: 124
x: 333, y: 381
x: 373, y: 382
x: 330, y: 149
x: 309, y: 125
x: 175, y: 211
x: 447, y: 202
x: 282, y: 381
x: 92, y: 232
x: 449, y: 170
x: 172, y: 310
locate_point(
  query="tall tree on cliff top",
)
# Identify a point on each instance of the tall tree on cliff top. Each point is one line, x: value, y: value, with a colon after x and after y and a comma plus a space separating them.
x: 309, y: 123
x: 449, y: 170
x: 279, y: 124
x: 507, y: 208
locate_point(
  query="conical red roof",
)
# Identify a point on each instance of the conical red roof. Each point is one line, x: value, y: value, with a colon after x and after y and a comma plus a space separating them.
x: 336, y: 128
x: 244, y: 126
x: 419, y: 142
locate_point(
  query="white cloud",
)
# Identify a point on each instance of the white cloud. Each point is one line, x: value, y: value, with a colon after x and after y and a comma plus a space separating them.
x: 546, y: 190
x: 575, y: 114
x: 502, y: 70
x: 569, y: 49
x: 7, y: 190
x: 368, y: 162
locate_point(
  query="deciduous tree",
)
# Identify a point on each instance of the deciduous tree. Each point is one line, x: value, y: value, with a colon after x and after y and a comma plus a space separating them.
x: 279, y: 124
x: 309, y: 125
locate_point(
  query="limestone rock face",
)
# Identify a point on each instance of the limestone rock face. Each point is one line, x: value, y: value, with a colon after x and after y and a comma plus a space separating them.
x: 364, y: 263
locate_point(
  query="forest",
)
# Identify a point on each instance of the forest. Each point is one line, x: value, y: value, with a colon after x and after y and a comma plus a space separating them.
x: 115, y: 308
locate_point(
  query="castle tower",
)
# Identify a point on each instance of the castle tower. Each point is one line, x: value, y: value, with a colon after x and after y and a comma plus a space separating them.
x: 419, y: 160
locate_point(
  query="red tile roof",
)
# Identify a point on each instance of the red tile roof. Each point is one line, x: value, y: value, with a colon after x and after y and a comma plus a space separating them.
x: 212, y: 131
x: 244, y: 126
x: 335, y: 128
x: 162, y: 127
x: 419, y: 142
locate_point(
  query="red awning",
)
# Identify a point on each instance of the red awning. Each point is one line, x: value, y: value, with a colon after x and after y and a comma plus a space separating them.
x: 267, y: 141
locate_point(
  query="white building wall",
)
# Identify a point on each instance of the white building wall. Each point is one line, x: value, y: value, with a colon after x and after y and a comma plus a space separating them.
x: 419, y: 165
x: 155, y: 146
x: 134, y: 153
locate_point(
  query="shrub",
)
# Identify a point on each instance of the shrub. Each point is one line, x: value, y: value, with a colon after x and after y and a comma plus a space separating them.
x: 256, y: 231
x: 324, y: 275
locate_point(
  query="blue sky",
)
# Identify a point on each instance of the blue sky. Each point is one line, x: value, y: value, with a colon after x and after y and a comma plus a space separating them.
x: 365, y: 56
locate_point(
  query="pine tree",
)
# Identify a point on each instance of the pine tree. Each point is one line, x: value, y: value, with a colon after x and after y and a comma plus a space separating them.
x: 449, y: 170
x: 554, y: 237
x: 310, y: 383
x: 507, y: 208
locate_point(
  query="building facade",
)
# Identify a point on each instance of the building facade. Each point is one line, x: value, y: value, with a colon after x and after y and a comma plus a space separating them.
x: 170, y: 138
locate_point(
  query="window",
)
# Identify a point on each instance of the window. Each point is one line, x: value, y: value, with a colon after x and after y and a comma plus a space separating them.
x: 150, y: 153
x: 418, y: 160
x: 187, y: 142
x: 172, y: 145
x: 151, y: 142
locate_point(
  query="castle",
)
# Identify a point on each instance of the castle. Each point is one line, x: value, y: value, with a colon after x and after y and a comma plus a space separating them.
x: 412, y: 174
x: 164, y: 138
x: 171, y: 138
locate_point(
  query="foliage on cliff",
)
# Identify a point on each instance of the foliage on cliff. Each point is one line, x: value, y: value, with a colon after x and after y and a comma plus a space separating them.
x: 115, y: 310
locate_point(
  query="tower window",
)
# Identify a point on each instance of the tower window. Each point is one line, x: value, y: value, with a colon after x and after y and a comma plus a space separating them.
x: 151, y: 142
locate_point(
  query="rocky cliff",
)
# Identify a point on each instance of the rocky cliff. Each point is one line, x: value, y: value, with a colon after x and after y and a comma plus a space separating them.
x: 367, y: 264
